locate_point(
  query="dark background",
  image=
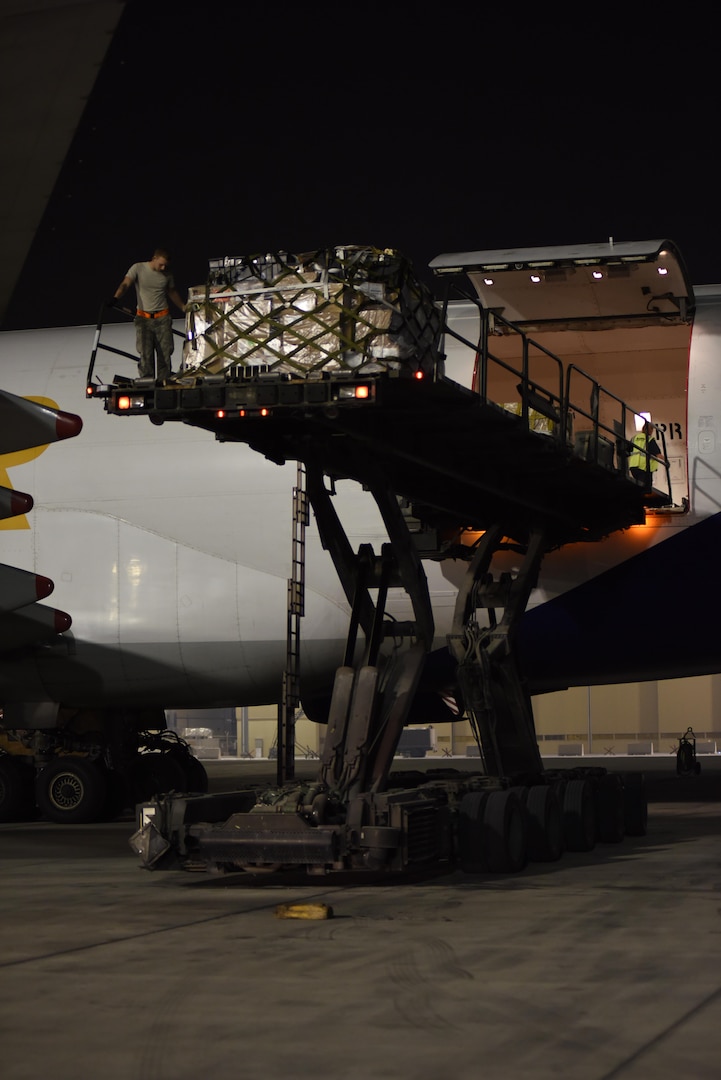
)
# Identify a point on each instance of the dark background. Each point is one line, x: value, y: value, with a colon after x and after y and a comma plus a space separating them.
x: 244, y: 128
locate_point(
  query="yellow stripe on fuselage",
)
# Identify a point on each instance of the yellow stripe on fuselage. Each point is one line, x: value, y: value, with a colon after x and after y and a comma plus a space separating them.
x: 22, y: 457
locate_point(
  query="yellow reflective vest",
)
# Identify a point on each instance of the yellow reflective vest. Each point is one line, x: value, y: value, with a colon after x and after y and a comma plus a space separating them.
x: 637, y: 458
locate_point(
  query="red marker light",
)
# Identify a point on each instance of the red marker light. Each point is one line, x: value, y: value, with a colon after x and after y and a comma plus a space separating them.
x: 124, y: 402
x: 67, y: 425
x: 88, y: 391
x: 241, y: 412
x: 265, y: 412
x: 361, y: 391
x: 418, y: 375
x: 220, y: 414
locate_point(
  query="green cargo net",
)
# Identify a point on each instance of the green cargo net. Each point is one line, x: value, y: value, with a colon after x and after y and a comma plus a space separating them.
x: 358, y: 309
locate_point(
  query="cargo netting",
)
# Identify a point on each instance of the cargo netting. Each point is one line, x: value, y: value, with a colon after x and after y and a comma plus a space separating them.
x: 357, y: 309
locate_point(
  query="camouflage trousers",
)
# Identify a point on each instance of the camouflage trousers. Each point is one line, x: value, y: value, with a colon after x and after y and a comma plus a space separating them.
x: 154, y: 337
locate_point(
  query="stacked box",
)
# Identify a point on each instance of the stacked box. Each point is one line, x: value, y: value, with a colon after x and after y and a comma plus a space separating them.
x: 352, y: 308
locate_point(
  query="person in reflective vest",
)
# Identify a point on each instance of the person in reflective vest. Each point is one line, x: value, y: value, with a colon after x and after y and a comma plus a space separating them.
x: 644, y: 450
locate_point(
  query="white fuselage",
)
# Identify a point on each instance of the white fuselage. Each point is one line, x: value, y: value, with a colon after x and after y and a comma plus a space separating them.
x: 171, y: 551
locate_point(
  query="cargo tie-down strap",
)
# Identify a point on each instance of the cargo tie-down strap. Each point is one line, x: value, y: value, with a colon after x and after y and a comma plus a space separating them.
x: 355, y: 309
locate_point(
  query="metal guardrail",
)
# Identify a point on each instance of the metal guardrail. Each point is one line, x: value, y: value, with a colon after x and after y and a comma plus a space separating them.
x: 605, y: 442
x: 100, y: 345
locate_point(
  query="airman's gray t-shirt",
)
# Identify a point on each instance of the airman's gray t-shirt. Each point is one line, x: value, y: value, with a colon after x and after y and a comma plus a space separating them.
x: 151, y: 286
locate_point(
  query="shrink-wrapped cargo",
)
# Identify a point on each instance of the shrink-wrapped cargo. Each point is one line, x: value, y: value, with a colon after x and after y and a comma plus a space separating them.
x: 352, y: 308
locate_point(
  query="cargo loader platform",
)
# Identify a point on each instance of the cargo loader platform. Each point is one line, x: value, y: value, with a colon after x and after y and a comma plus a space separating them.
x: 460, y: 461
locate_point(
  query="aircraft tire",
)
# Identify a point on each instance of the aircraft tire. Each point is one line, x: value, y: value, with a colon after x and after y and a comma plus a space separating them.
x: 196, y: 778
x: 579, y: 816
x: 545, y: 824
x: 470, y: 832
x: 16, y: 791
x: 118, y: 797
x: 635, y: 806
x: 504, y: 833
x: 71, y: 790
x: 158, y: 773
x: 610, y: 817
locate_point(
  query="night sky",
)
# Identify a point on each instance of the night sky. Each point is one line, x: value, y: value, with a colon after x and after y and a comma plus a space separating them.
x: 245, y: 128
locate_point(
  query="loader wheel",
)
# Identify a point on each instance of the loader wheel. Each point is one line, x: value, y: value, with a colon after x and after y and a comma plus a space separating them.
x: 16, y: 791
x: 504, y: 833
x: 635, y: 806
x: 158, y: 773
x: 71, y: 791
x: 609, y: 810
x: 579, y: 816
x: 545, y: 824
x: 470, y: 832
x: 196, y: 778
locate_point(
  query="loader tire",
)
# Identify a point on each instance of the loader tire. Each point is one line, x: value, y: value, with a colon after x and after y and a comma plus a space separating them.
x: 545, y: 824
x: 470, y: 832
x: 579, y: 816
x: 635, y: 805
x: 504, y: 833
x: 609, y: 809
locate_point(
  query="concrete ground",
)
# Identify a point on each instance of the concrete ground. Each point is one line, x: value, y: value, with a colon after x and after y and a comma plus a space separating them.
x: 602, y: 965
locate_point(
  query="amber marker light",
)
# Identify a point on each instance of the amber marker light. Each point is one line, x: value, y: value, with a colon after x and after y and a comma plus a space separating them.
x: 361, y: 391
x: 88, y: 391
x: 124, y: 402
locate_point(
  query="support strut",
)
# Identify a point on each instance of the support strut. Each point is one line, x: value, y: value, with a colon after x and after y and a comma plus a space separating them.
x: 374, y: 688
x: 494, y: 692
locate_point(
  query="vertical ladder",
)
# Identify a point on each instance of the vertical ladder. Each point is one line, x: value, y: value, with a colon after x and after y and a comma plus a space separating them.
x: 295, y: 612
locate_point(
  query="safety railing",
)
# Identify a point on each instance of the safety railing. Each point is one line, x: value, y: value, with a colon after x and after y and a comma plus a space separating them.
x: 99, y: 345
x: 555, y: 405
x: 608, y: 437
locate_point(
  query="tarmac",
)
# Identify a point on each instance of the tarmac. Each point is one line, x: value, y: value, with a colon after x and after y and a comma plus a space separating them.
x: 601, y: 965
